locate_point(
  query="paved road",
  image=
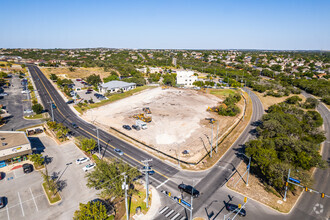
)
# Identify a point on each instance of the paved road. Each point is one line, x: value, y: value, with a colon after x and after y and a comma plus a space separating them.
x: 15, y: 105
x: 209, y: 182
x: 311, y: 205
x: 64, y: 114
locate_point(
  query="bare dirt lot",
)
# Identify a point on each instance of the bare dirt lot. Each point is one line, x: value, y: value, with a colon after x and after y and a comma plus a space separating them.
x: 80, y: 72
x: 178, y: 120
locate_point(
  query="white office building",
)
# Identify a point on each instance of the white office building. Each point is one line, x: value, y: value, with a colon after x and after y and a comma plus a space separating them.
x: 116, y: 86
x: 185, y: 78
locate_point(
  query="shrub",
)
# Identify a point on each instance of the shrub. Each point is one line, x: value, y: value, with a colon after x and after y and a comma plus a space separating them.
x: 37, y: 108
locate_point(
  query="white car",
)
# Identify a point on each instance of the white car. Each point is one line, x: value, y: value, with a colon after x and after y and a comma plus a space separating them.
x: 89, y: 167
x: 28, y: 111
x: 25, y: 91
x: 82, y: 160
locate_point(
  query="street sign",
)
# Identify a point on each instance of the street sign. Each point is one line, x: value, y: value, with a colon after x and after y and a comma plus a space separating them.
x: 185, y: 203
x: 294, y: 180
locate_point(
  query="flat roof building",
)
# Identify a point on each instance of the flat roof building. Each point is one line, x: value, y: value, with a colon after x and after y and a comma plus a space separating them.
x: 115, y: 86
x: 185, y: 78
x: 14, y: 146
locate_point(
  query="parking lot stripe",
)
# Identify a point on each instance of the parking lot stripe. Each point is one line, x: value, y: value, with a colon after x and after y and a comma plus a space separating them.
x: 34, y: 200
x: 7, y: 212
x: 20, y: 202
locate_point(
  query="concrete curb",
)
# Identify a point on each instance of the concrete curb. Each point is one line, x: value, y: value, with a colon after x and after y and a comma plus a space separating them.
x: 48, y: 198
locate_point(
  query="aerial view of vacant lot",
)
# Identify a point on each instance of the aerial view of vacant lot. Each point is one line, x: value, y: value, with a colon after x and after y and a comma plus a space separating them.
x: 79, y: 72
x: 178, y: 119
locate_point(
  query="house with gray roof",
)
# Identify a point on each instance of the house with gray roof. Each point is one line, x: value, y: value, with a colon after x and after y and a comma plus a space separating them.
x: 116, y: 86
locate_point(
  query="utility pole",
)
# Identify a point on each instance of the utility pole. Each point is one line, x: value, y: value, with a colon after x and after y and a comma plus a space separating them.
x: 178, y: 155
x: 211, y: 141
x: 51, y: 108
x: 286, y: 186
x: 191, y: 201
x: 98, y: 141
x: 125, y: 187
x: 216, y: 141
x: 146, y: 169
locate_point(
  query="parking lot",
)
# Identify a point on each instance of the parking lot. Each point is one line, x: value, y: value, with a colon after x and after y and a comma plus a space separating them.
x: 24, y: 193
x: 15, y: 103
x: 82, y: 92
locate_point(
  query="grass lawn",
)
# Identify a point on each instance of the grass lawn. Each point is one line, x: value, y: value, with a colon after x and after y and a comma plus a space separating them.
x: 222, y: 93
x: 112, y: 98
x: 52, y: 199
x: 37, y: 116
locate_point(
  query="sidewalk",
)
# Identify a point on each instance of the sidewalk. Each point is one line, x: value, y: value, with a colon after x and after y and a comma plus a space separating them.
x: 154, y: 207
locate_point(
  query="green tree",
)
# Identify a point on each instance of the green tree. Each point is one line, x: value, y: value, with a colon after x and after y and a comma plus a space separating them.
x: 310, y: 103
x: 93, y: 79
x: 72, y: 69
x: 108, y: 177
x: 87, y: 144
x: 37, y: 159
x: 37, y: 108
x: 110, y: 78
x: 53, y: 77
x: 293, y: 99
x: 23, y: 65
x: 91, y: 211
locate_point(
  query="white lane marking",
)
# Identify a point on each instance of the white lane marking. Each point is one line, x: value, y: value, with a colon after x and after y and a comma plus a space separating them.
x: 34, y: 200
x: 7, y: 212
x: 162, y: 183
x: 20, y: 202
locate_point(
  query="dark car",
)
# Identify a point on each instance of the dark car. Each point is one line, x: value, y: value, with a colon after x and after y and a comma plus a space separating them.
x: 127, y: 127
x: 97, y: 95
x: 189, y: 189
x: 136, y: 127
x: 53, y: 106
x: 74, y: 125
x: 70, y: 102
x: 2, y: 202
x: 88, y: 92
x: 151, y: 172
x: 27, y: 168
x: 235, y: 209
x: 1, y: 175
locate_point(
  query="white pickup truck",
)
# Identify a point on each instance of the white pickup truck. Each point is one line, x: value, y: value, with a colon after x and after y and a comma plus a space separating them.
x: 141, y: 124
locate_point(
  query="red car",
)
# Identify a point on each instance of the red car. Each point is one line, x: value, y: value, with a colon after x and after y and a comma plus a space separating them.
x: 89, y: 90
x: 78, y: 80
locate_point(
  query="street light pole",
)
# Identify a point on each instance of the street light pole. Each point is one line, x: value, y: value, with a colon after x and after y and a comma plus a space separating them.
x: 98, y: 141
x: 216, y: 141
x: 211, y: 142
x: 125, y: 187
x: 286, y: 186
x: 191, y: 201
x: 51, y: 108
x: 146, y: 170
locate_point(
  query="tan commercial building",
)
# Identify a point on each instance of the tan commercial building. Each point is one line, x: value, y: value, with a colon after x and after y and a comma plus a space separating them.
x: 14, y: 147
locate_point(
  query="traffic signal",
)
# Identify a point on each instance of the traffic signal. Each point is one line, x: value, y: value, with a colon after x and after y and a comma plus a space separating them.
x: 286, y: 183
x: 169, y: 194
x: 245, y: 199
x: 239, y: 206
x: 179, y: 200
x: 322, y: 195
x: 306, y: 189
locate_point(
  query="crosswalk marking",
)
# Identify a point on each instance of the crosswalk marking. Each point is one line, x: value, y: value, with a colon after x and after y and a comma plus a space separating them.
x: 174, y: 217
x: 163, y: 210
x: 170, y: 213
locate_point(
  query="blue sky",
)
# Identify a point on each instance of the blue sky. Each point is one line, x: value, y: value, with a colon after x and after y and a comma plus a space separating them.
x: 230, y: 24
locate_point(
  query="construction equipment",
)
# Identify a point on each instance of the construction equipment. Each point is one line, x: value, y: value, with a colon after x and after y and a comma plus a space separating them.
x: 212, y: 109
x: 146, y: 119
x: 147, y: 110
x: 142, y: 117
x: 138, y: 116
x: 212, y: 120
x: 164, y: 87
